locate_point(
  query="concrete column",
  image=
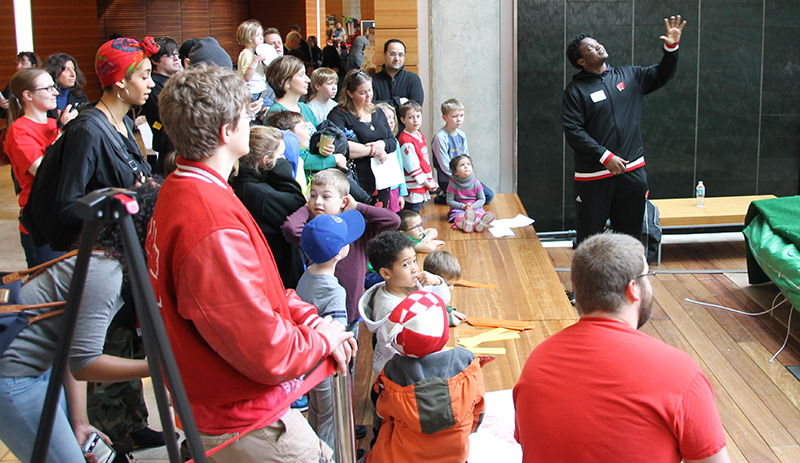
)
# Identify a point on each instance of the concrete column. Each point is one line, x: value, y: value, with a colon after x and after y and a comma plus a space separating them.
x: 472, y: 45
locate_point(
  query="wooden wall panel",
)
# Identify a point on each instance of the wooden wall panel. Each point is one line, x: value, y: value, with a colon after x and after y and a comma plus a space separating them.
x: 8, y: 46
x: 55, y: 29
x: 399, y: 14
x: 280, y: 14
x: 368, y: 9
x: 179, y: 19
x: 163, y: 18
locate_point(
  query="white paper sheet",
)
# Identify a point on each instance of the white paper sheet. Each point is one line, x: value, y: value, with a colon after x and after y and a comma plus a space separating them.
x: 387, y: 173
x: 501, y: 231
x: 517, y: 222
x: 494, y: 441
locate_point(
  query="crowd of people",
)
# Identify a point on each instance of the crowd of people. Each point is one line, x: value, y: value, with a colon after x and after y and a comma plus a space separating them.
x: 277, y: 218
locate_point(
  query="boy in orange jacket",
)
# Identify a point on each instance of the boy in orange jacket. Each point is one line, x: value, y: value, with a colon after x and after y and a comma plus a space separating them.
x: 416, y: 425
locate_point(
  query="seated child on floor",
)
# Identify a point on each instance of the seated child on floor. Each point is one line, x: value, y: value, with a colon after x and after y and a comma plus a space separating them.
x: 393, y: 257
x: 424, y: 240
x: 466, y: 198
x: 445, y: 265
x: 430, y: 400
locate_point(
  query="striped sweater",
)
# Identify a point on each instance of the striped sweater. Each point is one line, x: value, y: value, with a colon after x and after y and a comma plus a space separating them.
x: 462, y: 191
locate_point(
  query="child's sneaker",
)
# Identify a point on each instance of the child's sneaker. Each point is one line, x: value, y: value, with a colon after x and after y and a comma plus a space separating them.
x: 458, y: 222
x: 469, y: 220
x: 484, y: 222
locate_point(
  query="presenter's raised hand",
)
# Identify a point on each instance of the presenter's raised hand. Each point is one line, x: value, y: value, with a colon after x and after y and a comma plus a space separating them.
x: 674, y: 30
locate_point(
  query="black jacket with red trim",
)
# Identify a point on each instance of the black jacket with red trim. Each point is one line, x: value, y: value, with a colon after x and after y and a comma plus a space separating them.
x: 601, y: 113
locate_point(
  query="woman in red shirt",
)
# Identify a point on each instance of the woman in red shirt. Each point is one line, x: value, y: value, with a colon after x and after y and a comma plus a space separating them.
x: 33, y: 93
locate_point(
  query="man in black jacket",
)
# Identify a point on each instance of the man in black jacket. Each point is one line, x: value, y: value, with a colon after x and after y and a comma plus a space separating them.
x: 166, y: 63
x: 395, y: 85
x: 601, y: 117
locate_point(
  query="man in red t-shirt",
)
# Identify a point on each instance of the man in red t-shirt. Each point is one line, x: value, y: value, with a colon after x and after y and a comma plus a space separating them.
x: 601, y: 390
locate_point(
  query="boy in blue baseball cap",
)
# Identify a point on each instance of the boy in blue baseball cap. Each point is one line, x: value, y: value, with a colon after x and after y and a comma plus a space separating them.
x: 326, y: 240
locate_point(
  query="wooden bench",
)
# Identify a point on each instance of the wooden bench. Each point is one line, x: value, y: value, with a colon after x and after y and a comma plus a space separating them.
x: 719, y: 212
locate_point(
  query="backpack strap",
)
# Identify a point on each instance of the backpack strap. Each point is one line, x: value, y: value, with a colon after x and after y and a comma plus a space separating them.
x: 98, y: 118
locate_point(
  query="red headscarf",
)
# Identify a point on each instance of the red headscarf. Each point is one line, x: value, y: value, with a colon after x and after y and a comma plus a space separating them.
x: 119, y: 57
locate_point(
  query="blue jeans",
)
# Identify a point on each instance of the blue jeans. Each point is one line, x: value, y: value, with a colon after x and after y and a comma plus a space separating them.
x: 21, y: 403
x: 36, y: 255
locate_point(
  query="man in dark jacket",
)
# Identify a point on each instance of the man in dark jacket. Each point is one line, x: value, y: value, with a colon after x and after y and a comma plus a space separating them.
x: 166, y: 63
x: 601, y: 117
x: 395, y: 85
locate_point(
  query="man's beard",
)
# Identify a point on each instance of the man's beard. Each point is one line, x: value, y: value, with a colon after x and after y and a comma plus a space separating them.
x: 645, y: 308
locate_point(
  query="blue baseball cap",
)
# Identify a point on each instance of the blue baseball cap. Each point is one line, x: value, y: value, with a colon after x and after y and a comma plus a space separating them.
x: 325, y: 235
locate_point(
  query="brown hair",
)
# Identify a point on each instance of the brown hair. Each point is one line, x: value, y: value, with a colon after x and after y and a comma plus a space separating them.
x: 332, y: 177
x: 408, y: 105
x: 319, y: 77
x: 55, y: 65
x: 264, y: 141
x: 196, y: 103
x: 284, y: 120
x: 443, y: 264
x: 352, y: 81
x: 33, y: 58
x: 602, y: 267
x: 21, y: 81
x: 406, y: 215
x: 281, y: 71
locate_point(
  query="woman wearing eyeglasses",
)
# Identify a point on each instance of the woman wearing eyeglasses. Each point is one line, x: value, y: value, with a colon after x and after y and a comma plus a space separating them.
x: 371, y: 134
x: 33, y: 93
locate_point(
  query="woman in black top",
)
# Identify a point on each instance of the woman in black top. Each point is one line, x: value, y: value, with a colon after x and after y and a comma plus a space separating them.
x: 368, y: 131
x: 99, y: 148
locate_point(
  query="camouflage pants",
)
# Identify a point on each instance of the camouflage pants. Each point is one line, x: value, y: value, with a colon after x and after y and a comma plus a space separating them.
x: 118, y: 409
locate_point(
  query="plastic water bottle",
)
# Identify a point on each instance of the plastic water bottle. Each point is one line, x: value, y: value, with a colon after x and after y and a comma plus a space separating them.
x: 700, y: 193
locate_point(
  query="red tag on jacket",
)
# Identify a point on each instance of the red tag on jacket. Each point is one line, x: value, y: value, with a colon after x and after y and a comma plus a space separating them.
x: 621, y: 86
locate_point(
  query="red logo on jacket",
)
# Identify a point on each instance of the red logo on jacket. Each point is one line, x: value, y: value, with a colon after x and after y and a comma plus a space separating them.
x: 621, y: 86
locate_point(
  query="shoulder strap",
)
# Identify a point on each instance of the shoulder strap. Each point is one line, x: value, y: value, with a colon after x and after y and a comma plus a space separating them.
x: 100, y: 121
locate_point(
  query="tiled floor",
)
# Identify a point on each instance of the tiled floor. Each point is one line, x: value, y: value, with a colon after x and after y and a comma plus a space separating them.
x: 12, y: 258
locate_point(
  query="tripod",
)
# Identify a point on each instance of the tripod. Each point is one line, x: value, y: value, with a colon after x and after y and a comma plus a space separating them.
x: 118, y: 205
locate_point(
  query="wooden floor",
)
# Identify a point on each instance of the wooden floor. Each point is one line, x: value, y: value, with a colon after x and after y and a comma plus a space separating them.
x: 758, y: 401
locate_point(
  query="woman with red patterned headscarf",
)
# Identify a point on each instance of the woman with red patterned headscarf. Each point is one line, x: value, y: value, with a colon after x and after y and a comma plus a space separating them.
x: 99, y: 149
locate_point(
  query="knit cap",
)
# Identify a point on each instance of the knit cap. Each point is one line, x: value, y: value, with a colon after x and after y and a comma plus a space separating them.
x: 210, y: 52
x: 418, y: 325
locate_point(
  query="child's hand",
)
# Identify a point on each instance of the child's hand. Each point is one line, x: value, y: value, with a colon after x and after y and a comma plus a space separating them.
x: 457, y: 317
x: 467, y: 206
x: 431, y: 185
x: 341, y: 161
x: 401, y: 200
x: 429, y: 279
x: 327, y: 150
x: 437, y: 243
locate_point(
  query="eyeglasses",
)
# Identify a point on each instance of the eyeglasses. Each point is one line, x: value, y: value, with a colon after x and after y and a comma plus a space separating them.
x: 50, y: 88
x: 394, y: 54
x: 415, y: 227
x: 649, y: 275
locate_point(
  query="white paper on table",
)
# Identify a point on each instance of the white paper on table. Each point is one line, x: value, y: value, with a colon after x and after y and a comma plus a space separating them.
x: 494, y: 441
x: 501, y: 231
x: 517, y: 222
x: 387, y: 173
